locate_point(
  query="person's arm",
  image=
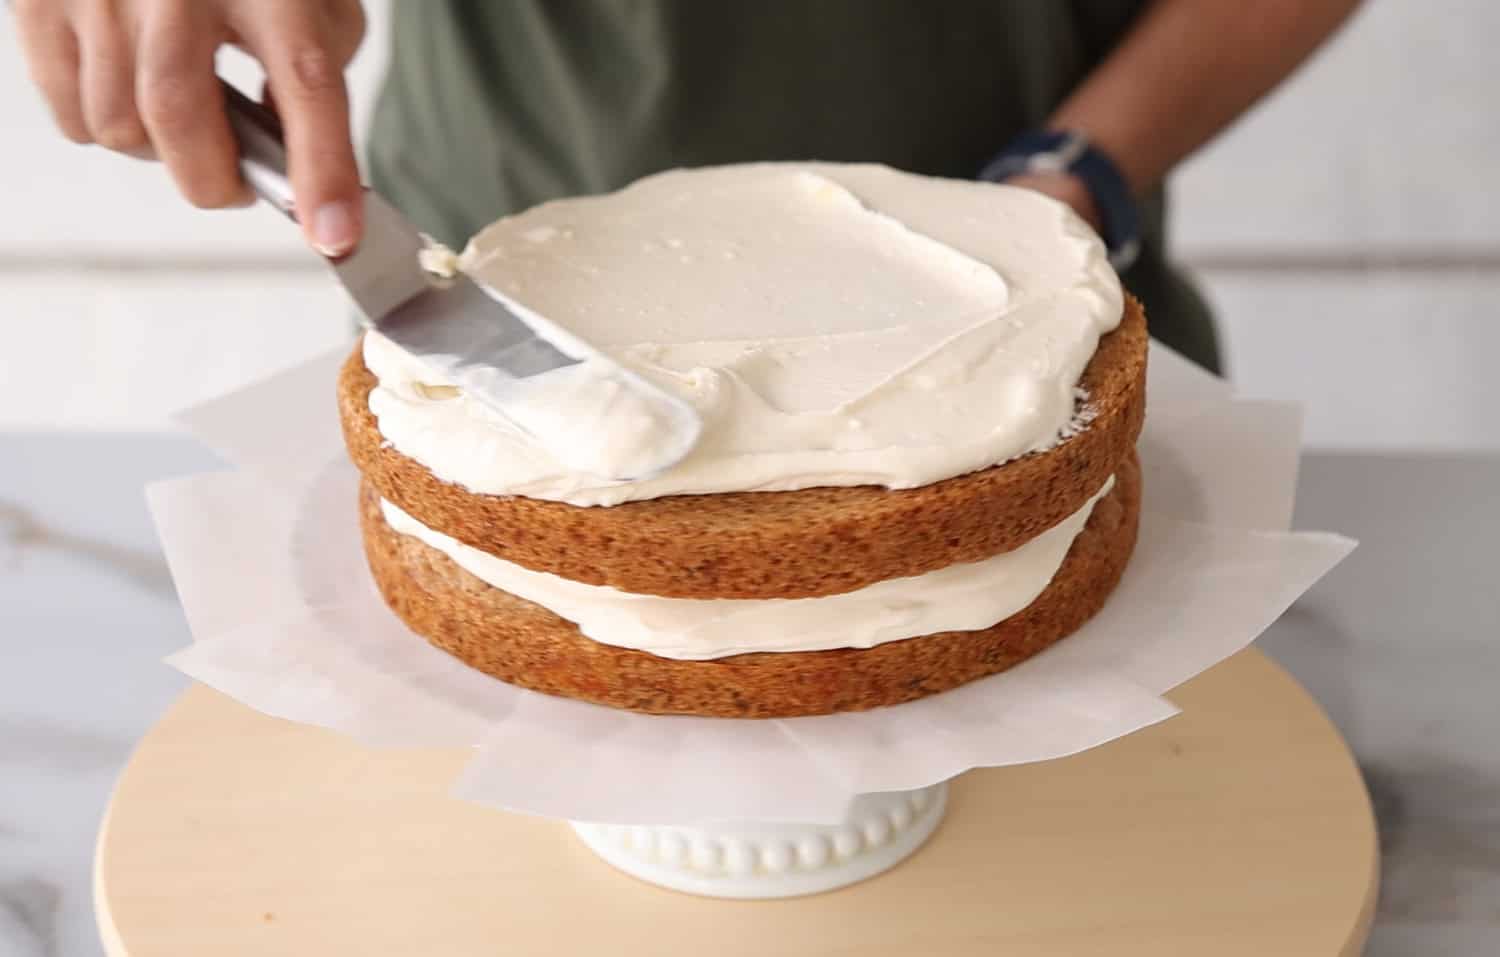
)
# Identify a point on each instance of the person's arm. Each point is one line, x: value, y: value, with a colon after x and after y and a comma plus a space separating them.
x: 137, y: 76
x: 1184, y: 72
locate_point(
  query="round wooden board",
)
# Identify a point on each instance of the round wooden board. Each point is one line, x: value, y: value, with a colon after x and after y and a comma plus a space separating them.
x: 1242, y: 826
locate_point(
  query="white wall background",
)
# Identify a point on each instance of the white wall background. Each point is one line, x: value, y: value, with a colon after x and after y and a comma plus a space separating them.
x: 1348, y: 230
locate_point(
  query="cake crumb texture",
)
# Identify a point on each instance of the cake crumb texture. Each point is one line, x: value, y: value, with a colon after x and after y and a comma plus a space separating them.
x: 527, y: 645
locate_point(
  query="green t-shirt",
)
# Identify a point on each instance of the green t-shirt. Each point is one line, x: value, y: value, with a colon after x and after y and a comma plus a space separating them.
x: 492, y: 107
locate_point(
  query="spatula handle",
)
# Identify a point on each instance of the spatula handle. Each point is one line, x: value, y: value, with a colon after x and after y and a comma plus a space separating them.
x: 262, y: 149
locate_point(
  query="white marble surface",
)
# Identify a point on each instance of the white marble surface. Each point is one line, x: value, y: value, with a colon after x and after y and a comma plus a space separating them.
x: 86, y: 612
x: 1399, y: 643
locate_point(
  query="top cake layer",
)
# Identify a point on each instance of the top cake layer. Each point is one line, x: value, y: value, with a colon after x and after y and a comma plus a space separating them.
x: 794, y: 544
x: 834, y: 325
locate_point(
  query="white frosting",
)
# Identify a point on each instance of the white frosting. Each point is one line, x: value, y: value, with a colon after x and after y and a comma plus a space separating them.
x: 962, y: 597
x: 833, y: 325
x: 438, y: 260
x: 590, y: 418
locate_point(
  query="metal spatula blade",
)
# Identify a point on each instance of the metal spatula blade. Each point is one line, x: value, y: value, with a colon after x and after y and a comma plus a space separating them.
x: 456, y: 327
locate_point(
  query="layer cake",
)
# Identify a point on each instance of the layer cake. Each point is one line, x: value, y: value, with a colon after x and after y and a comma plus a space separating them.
x: 921, y: 399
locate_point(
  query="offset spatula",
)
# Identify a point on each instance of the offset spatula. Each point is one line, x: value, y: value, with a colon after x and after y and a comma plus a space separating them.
x: 459, y: 328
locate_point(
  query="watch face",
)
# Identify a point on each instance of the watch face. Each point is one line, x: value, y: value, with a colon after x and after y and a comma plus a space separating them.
x: 1048, y: 163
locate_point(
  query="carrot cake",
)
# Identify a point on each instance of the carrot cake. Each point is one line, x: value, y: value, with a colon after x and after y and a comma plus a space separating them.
x: 920, y: 401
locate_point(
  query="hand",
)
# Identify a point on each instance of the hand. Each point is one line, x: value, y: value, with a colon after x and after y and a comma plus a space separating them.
x: 1066, y: 188
x: 137, y: 76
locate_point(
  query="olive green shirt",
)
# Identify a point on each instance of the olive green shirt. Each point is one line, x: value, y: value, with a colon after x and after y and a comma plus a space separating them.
x: 490, y: 107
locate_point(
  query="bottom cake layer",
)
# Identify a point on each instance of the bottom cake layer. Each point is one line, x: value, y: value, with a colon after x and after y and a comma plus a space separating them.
x: 527, y: 645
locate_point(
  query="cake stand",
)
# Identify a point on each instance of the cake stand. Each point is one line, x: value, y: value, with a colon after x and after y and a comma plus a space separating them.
x: 1241, y: 826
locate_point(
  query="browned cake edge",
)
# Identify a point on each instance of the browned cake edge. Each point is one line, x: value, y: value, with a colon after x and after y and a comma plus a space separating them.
x: 527, y: 645
x: 817, y: 541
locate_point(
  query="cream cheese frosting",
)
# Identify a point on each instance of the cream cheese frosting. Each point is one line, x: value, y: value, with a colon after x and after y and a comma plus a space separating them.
x: 832, y: 324
x: 962, y: 597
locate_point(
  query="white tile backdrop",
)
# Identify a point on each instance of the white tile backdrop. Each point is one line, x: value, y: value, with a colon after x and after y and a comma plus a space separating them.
x: 1348, y: 230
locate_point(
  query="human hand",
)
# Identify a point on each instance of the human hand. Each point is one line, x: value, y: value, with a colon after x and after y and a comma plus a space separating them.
x: 1066, y: 188
x: 137, y: 76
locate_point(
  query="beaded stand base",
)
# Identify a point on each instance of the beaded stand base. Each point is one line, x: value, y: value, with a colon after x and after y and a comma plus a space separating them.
x: 765, y: 861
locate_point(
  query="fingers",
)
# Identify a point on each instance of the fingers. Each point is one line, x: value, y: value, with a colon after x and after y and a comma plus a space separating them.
x: 51, y: 50
x: 304, y: 55
x: 182, y: 106
x: 149, y: 86
x: 107, y: 79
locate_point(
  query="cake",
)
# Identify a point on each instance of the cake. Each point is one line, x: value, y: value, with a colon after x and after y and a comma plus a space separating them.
x: 920, y: 399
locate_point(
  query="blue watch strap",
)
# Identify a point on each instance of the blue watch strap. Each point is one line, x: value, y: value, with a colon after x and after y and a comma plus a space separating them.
x: 1069, y: 151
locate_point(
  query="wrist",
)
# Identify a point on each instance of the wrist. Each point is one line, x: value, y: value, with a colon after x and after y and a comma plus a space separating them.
x: 1059, y: 160
x: 1065, y: 187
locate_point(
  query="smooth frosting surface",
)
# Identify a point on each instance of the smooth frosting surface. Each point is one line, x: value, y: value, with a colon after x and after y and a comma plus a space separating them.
x: 962, y: 597
x: 833, y: 325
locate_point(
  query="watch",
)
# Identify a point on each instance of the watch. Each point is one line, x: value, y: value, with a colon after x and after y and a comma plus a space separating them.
x: 1069, y: 151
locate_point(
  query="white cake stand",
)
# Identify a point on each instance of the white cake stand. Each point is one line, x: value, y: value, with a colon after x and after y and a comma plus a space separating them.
x: 763, y: 861
x: 1240, y: 827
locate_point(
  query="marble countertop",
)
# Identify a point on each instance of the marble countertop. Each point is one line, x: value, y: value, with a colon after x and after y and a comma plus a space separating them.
x: 1399, y: 643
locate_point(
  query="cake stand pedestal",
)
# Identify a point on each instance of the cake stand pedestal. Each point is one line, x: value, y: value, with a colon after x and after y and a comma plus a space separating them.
x: 765, y: 861
x: 1239, y: 827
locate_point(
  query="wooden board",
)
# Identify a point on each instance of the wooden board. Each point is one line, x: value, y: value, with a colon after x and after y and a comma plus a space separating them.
x: 1239, y: 827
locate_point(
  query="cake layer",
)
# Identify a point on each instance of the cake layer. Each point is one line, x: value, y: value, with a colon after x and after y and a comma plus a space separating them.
x: 796, y: 544
x: 523, y: 643
x: 963, y: 597
x: 833, y: 324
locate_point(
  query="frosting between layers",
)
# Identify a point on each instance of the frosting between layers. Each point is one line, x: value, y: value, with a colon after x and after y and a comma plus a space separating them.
x: 961, y: 597
x: 833, y: 325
